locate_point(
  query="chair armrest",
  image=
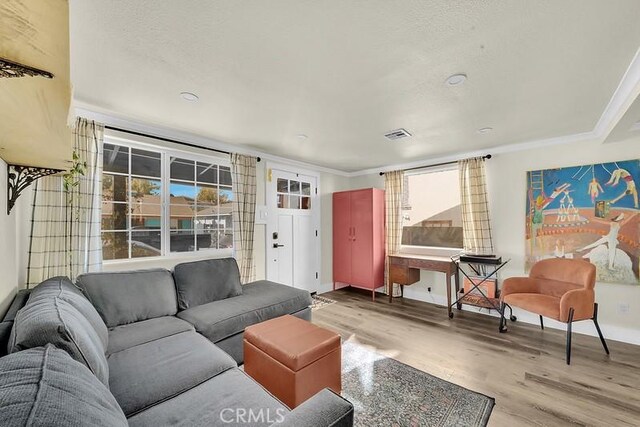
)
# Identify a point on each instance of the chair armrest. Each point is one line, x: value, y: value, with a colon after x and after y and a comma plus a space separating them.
x: 518, y: 285
x: 581, y: 300
x: 323, y: 410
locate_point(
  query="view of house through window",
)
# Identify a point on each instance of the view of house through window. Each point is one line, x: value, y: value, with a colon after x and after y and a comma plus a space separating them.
x: 431, y: 210
x: 135, y: 222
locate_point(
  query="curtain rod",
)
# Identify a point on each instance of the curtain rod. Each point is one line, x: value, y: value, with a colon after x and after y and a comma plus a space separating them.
x: 173, y: 141
x: 487, y: 157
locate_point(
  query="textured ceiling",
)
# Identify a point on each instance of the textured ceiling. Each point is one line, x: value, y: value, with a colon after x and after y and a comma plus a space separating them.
x: 345, y: 72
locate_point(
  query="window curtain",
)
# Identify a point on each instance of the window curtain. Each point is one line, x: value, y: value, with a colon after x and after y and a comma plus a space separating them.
x: 476, y: 224
x: 243, y: 173
x: 394, y: 194
x: 64, y: 238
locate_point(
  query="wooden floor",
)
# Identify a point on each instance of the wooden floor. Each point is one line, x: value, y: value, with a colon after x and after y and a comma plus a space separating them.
x: 523, y: 369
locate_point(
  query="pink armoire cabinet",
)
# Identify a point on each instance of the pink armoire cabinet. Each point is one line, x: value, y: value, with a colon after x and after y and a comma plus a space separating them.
x: 359, y: 238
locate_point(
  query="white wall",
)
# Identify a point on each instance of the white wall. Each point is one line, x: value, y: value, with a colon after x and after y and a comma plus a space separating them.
x: 8, y: 247
x: 506, y: 176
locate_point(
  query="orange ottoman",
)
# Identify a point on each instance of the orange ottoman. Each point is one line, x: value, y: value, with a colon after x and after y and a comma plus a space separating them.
x: 292, y: 358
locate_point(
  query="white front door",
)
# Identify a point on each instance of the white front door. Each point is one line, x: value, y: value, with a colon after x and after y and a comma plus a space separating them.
x: 293, y: 242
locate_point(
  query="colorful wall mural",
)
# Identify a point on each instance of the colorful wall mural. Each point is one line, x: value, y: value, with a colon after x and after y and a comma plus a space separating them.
x: 589, y: 212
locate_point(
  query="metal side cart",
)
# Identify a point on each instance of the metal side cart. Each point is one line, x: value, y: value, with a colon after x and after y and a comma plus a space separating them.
x: 480, y: 285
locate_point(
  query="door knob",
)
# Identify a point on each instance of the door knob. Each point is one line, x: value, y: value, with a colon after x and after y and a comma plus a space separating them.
x: 276, y: 246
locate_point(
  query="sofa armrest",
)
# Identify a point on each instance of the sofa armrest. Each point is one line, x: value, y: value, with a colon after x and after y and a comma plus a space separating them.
x: 581, y: 300
x: 323, y: 410
x: 519, y: 285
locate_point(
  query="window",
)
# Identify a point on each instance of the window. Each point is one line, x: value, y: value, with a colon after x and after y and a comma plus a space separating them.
x: 432, y: 216
x: 156, y: 202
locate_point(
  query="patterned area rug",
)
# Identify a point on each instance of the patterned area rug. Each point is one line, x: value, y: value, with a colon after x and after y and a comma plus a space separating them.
x: 320, y: 302
x: 386, y: 392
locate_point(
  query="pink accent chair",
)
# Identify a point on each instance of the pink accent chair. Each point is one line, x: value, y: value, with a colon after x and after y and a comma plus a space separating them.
x: 561, y: 289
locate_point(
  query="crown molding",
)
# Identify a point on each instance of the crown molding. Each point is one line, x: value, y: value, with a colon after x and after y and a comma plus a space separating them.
x: 627, y: 91
x: 625, y: 94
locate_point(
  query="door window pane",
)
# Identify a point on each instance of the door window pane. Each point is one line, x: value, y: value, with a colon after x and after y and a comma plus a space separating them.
x: 306, y: 189
x: 294, y: 187
x: 305, y: 203
x: 294, y: 202
x: 282, y: 186
x: 283, y: 201
x: 182, y: 169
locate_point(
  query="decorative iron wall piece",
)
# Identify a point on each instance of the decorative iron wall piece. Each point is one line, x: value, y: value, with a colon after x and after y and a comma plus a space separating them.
x: 20, y: 177
x: 10, y: 69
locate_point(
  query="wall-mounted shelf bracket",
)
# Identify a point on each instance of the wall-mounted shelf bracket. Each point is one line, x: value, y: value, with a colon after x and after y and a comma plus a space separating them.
x: 11, y: 69
x: 20, y: 177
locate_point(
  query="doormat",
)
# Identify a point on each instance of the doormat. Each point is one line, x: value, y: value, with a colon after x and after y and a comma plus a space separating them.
x: 320, y: 302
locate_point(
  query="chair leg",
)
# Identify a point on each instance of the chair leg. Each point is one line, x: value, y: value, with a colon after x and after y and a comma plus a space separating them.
x: 541, y: 323
x: 503, y: 327
x: 595, y: 321
x: 569, y: 321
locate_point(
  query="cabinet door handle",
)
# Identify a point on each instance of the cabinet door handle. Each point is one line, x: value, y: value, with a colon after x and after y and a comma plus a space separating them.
x: 276, y: 246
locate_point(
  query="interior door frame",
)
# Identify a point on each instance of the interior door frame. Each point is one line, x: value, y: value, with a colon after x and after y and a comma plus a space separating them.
x: 316, y: 213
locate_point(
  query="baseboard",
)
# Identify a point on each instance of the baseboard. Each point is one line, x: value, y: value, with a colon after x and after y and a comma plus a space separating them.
x: 610, y: 332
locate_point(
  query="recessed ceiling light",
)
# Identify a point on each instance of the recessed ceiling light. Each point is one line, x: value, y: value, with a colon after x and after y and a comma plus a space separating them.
x: 456, y: 79
x: 188, y: 96
x: 302, y: 136
x: 485, y: 130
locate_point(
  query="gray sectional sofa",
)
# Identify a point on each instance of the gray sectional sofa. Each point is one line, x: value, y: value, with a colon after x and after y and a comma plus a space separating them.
x: 149, y: 347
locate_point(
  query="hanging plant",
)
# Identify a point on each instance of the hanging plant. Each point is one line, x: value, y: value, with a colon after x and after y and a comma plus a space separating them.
x: 70, y: 182
x: 71, y: 179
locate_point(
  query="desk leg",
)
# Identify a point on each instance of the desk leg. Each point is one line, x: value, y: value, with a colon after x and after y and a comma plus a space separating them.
x: 390, y: 288
x: 449, y: 296
x: 457, y: 277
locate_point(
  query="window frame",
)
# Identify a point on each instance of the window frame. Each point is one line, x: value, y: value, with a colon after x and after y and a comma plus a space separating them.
x: 165, y: 181
x: 429, y: 250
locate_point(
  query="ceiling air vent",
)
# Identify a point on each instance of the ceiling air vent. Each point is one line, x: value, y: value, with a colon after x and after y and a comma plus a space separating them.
x: 397, y: 134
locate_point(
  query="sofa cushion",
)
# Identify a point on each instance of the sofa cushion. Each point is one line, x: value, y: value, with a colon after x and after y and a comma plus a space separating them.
x: 147, y: 374
x: 130, y: 296
x: 234, y: 392
x: 133, y: 334
x: 200, y: 282
x: 43, y: 386
x: 63, y: 288
x: 260, y: 301
x: 56, y: 321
